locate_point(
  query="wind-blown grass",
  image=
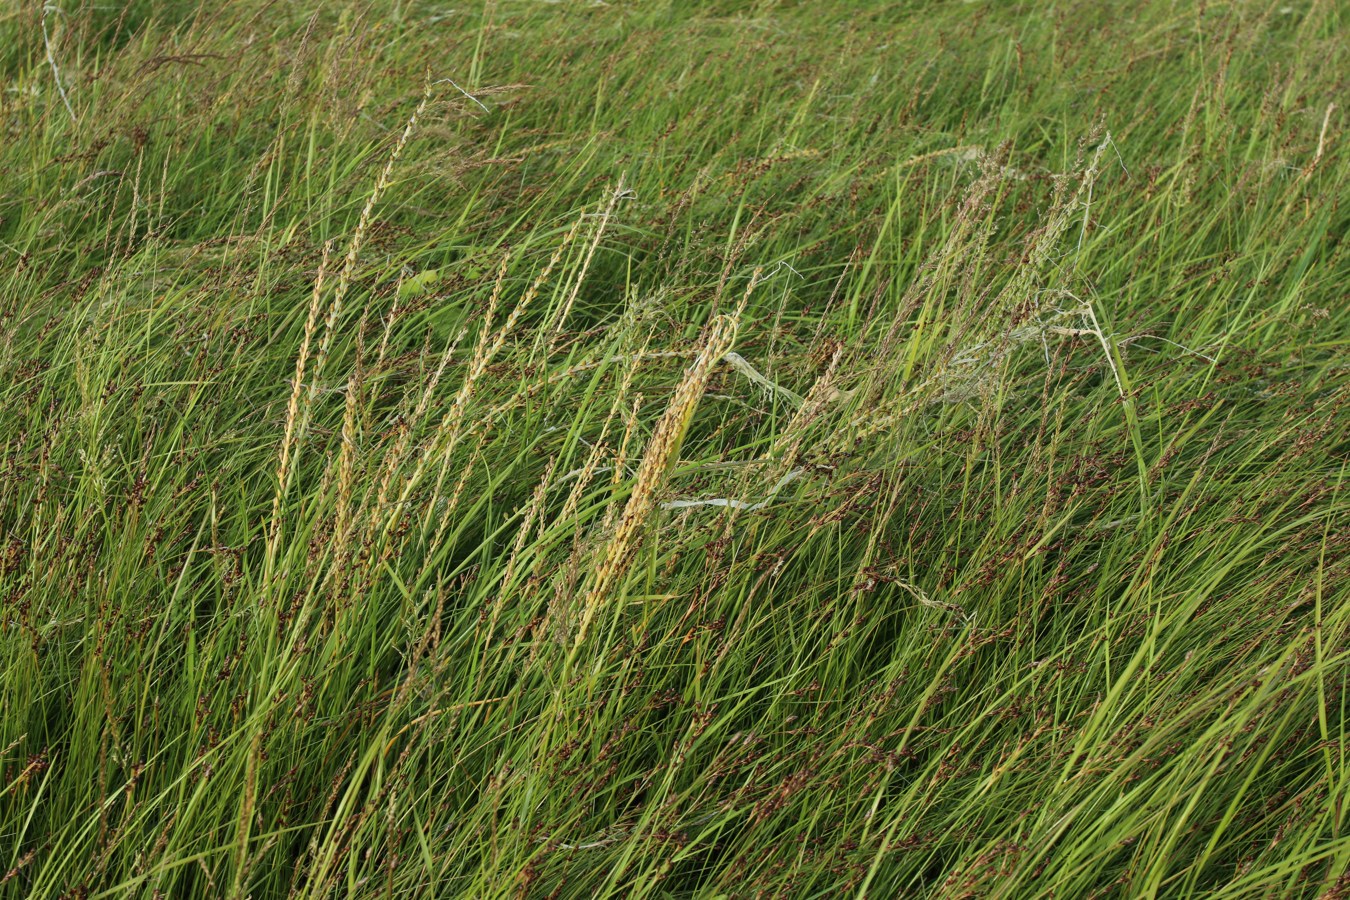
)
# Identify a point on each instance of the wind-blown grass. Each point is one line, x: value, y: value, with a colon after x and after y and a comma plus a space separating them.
x: 690, y: 450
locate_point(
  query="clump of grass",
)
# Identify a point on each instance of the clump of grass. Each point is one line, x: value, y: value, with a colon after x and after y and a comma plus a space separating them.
x: 734, y: 451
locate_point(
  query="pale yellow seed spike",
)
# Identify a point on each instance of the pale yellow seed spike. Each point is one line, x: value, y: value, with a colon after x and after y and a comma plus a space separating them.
x: 663, y: 448
x: 293, y: 406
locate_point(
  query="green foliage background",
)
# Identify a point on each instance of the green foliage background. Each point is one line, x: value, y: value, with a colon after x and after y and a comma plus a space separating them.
x: 1005, y: 555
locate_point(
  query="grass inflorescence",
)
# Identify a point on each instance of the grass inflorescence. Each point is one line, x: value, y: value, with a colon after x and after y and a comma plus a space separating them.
x: 738, y: 449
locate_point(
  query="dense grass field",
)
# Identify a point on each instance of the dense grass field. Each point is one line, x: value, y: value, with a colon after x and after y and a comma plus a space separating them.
x: 653, y: 449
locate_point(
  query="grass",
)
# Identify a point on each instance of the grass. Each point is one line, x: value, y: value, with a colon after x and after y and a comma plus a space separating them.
x: 737, y: 449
